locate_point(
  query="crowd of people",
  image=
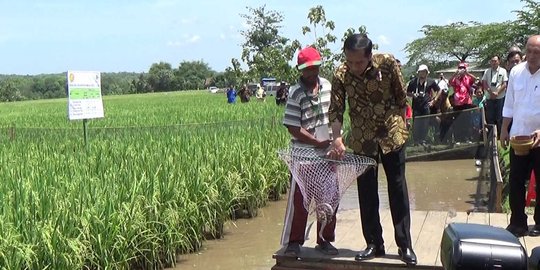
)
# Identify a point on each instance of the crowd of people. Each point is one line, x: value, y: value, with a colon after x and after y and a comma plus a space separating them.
x: 373, y: 86
x: 456, y: 108
x: 259, y: 92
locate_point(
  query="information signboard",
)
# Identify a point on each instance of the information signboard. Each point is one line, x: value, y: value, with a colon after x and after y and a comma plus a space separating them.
x: 84, y: 95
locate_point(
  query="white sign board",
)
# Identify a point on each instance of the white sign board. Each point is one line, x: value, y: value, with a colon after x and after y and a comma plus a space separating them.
x: 84, y: 95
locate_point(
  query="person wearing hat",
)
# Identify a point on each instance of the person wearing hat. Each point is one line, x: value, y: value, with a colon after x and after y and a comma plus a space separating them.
x: 423, y: 91
x: 373, y: 87
x: 306, y: 119
x: 462, y: 82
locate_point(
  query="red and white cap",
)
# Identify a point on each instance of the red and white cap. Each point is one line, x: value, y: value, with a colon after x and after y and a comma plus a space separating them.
x: 308, y: 57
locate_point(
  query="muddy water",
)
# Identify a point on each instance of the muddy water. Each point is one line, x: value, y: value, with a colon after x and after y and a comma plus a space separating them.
x: 250, y: 243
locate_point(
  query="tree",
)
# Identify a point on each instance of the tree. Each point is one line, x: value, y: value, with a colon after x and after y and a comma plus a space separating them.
x: 50, y: 86
x: 528, y: 22
x: 456, y: 41
x: 160, y: 77
x: 140, y: 85
x: 323, y: 38
x: 495, y: 39
x: 321, y: 28
x: 265, y: 51
x: 9, y: 91
x: 192, y: 75
x: 443, y: 46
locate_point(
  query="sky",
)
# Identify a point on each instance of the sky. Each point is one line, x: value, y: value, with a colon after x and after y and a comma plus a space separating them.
x: 54, y: 36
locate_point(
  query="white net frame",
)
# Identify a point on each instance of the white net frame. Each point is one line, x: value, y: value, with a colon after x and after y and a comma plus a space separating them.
x: 323, y: 181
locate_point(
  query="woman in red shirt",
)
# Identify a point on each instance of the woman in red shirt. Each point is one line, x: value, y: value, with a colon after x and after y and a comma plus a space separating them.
x: 462, y: 81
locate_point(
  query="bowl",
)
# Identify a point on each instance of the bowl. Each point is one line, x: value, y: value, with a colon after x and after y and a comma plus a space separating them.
x: 521, y: 144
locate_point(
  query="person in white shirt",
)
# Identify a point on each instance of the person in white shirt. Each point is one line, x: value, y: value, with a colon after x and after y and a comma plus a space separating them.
x: 443, y: 82
x: 494, y: 84
x: 521, y: 108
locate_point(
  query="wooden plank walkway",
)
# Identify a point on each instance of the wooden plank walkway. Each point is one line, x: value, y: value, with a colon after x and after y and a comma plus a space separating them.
x: 426, y: 231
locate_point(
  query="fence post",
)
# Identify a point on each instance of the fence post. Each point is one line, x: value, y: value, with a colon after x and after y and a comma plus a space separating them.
x: 496, y: 177
x: 11, y: 132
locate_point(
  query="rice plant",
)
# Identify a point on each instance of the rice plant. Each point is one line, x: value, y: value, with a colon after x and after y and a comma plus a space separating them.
x: 160, y: 173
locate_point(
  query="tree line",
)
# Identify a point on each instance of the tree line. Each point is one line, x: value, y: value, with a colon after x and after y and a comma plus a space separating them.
x: 266, y: 52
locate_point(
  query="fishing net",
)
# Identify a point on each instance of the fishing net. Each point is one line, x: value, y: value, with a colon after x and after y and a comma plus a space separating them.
x: 323, y: 181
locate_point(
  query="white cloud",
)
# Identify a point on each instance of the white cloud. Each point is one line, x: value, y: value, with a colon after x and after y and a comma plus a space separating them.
x: 382, y: 39
x: 165, y: 3
x: 193, y: 39
x: 188, y: 39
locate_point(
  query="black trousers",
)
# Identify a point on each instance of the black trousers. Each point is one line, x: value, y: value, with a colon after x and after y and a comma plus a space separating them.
x: 494, y: 109
x: 394, y: 168
x: 462, y: 123
x: 420, y: 125
x: 520, y: 170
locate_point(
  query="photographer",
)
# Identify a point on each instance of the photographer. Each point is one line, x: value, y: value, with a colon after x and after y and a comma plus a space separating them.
x: 423, y: 91
x: 494, y: 83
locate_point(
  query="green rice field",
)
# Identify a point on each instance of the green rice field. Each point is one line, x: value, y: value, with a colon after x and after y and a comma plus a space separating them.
x: 160, y: 173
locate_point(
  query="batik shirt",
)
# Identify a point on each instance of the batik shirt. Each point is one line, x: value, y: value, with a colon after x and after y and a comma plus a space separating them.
x: 377, y: 102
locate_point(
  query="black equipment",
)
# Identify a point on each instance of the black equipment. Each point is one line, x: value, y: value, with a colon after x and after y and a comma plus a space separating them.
x: 475, y: 246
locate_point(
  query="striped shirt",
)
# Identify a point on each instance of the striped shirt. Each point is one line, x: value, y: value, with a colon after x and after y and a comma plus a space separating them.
x: 309, y: 112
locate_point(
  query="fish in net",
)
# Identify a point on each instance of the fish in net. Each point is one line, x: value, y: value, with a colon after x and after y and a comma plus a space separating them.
x: 323, y: 181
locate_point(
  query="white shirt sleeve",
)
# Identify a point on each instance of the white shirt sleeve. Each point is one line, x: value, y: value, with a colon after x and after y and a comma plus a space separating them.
x: 485, y: 77
x: 508, y: 108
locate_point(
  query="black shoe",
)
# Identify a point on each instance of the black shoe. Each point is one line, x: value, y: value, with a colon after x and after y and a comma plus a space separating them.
x: 327, y: 248
x: 292, y: 250
x: 517, y: 231
x: 535, y: 231
x: 370, y: 252
x: 407, y: 256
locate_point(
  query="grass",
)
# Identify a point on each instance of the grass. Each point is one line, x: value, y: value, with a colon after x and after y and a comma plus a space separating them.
x: 160, y: 173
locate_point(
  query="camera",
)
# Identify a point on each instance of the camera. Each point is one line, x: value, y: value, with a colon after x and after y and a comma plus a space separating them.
x: 493, y: 84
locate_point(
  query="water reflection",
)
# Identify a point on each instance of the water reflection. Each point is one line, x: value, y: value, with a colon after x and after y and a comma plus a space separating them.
x: 250, y: 243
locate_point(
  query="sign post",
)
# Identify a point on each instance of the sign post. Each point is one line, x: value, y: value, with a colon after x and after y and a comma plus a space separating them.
x: 84, y: 97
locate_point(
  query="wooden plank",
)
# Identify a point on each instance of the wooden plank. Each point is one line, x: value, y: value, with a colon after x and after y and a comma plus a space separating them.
x: 530, y: 242
x: 349, y: 230
x: 430, y: 234
x: 452, y: 217
x: 417, y: 220
x: 498, y: 220
x: 478, y: 218
x: 426, y: 229
x: 456, y: 217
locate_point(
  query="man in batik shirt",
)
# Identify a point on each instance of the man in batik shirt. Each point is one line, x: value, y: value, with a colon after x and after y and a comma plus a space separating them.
x: 374, y: 87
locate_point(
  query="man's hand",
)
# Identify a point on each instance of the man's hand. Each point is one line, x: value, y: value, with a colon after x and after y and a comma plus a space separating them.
x: 338, y: 149
x: 504, y: 138
x: 493, y: 95
x: 536, y: 139
x: 323, y: 144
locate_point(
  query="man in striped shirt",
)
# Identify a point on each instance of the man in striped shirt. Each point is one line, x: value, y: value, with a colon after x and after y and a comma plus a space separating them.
x: 306, y: 119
